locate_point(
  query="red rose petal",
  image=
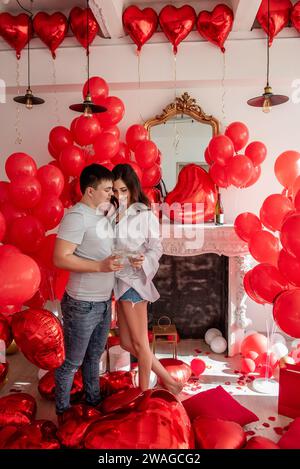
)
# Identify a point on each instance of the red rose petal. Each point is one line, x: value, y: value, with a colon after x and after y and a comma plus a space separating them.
x: 272, y: 419
x: 265, y: 424
x: 250, y: 433
x: 278, y: 430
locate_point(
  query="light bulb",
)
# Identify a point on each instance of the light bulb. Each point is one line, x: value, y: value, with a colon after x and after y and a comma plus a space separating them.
x: 88, y: 111
x: 266, y: 105
x: 29, y: 104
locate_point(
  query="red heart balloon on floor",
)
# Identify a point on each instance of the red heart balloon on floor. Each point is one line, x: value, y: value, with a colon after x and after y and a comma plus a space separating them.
x: 51, y: 29
x: 213, y: 433
x: 16, y: 30
x: 17, y: 409
x: 216, y: 26
x: 177, y: 23
x: 280, y: 11
x: 295, y: 16
x: 78, y: 22
x: 140, y: 24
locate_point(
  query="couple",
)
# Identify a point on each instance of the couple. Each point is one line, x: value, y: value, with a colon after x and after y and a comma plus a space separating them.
x: 85, y: 244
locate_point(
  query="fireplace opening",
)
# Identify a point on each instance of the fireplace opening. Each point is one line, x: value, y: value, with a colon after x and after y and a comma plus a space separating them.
x: 193, y: 294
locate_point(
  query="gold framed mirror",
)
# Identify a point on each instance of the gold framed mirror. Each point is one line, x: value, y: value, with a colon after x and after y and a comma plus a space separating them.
x: 182, y: 133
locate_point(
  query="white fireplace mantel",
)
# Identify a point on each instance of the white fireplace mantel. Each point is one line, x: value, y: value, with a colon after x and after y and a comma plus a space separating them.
x: 193, y: 240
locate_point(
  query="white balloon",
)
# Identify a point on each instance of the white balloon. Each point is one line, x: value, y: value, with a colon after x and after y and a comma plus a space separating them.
x: 210, y: 334
x: 278, y: 338
x: 280, y: 350
x: 218, y: 344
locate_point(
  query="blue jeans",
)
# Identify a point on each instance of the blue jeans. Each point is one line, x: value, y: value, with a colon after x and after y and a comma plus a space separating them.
x: 86, y: 326
x: 131, y: 295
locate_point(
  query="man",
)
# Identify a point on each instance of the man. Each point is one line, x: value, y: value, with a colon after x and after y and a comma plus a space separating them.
x: 83, y: 247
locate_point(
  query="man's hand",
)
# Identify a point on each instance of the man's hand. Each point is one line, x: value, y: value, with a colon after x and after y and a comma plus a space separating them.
x: 137, y: 262
x: 110, y: 264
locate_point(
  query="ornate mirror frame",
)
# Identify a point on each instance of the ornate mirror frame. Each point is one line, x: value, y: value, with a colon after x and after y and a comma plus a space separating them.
x: 184, y: 105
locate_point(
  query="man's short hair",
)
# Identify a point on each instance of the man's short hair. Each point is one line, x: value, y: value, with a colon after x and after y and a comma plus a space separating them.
x: 93, y: 175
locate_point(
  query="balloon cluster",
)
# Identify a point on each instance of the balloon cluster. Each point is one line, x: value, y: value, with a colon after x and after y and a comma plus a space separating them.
x: 177, y: 23
x: 276, y: 279
x: 227, y: 167
x: 51, y: 29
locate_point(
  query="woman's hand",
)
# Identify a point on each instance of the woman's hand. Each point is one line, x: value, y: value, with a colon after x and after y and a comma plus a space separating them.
x: 137, y: 261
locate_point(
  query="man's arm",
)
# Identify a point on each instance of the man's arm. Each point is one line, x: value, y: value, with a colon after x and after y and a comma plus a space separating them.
x: 64, y: 258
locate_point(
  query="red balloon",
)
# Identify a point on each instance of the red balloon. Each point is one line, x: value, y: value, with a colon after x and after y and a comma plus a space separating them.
x: 116, y: 381
x: 287, y: 168
x: 5, y: 332
x: 257, y: 152
x: 267, y: 359
x: 218, y: 434
x: 26, y: 233
x: 286, y: 312
x: 85, y: 130
x: 290, y: 235
x: 221, y: 149
x: 4, y: 192
x: 246, y: 224
x: 260, y: 442
x: 51, y: 179
x: 123, y: 155
x: 59, y: 138
x: 207, y: 156
x: 180, y: 371
x: 177, y: 23
x: 72, y: 161
x: 10, y: 212
x: 279, y: 15
x: 151, y: 176
x: 146, y: 154
x: 194, y: 187
x: 7, y: 249
x: 39, y: 335
x: 106, y: 147
x: 249, y: 290
x: 264, y: 247
x: 216, y: 26
x: 247, y: 365
x: 54, y: 153
x: 3, y: 375
x: 25, y: 191
x: 153, y: 194
x: 289, y: 266
x: 240, y: 169
x: 254, y: 343
x: 19, y: 278
x: 136, y: 134
x: 140, y: 24
x: 198, y: 366
x: 16, y: 30
x: 273, y: 211
x: 19, y: 164
x: 46, y: 386
x: 2, y: 226
x: 17, y: 409
x: 78, y: 22
x: 8, y: 311
x: 115, y: 111
x: 137, y: 169
x: 49, y: 211
x: 114, y: 130
x: 297, y: 201
x: 51, y: 29
x: 239, y: 134
x: 98, y: 89
x: 256, y: 172
x: 267, y: 282
x: 218, y: 174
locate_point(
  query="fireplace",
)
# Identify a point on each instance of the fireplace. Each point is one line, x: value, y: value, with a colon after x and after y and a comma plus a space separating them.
x: 201, y: 282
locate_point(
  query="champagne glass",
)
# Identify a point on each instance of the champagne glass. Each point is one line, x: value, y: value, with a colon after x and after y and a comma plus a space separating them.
x: 132, y: 255
x: 120, y: 255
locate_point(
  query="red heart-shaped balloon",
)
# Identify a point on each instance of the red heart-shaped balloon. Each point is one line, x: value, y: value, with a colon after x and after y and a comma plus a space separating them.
x: 216, y: 26
x: 17, y: 409
x: 16, y: 30
x: 78, y: 22
x: 280, y: 11
x: 177, y: 23
x: 140, y: 24
x: 51, y: 29
x: 295, y: 16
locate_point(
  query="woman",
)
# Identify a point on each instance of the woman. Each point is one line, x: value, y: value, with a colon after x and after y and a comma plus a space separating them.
x: 137, y: 234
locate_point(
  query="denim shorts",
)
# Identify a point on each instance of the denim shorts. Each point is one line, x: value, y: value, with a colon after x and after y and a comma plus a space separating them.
x: 131, y: 295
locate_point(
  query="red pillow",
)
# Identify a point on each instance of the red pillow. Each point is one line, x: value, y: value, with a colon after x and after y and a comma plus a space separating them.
x: 291, y: 439
x: 218, y: 403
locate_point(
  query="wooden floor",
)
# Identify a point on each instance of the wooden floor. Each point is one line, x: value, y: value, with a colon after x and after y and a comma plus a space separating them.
x: 220, y: 370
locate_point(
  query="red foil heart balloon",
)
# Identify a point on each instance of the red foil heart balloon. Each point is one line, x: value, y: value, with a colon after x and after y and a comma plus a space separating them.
x: 78, y: 22
x: 295, y: 16
x: 140, y: 24
x: 280, y: 11
x: 216, y: 26
x: 116, y: 381
x: 46, y: 386
x: 16, y: 30
x: 180, y: 371
x: 76, y: 422
x: 177, y: 23
x: 17, y: 409
x: 41, y: 434
x: 5, y: 332
x: 193, y: 198
x: 3, y: 373
x: 51, y: 29
x: 39, y: 335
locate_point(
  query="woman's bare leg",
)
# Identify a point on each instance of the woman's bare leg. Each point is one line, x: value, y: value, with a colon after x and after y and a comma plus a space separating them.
x: 126, y: 343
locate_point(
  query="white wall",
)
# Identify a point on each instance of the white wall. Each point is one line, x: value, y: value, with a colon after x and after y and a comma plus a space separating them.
x: 199, y: 70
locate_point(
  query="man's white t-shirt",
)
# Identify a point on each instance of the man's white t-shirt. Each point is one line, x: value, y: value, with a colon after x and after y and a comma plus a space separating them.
x: 92, y: 232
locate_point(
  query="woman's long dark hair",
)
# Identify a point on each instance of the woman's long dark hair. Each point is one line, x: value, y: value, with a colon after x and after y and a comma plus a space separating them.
x: 132, y: 182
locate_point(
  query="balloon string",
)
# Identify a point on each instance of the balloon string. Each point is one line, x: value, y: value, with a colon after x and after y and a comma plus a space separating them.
x: 17, y: 122
x: 224, y: 120
x: 139, y: 81
x: 56, y: 110
x: 176, y: 134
